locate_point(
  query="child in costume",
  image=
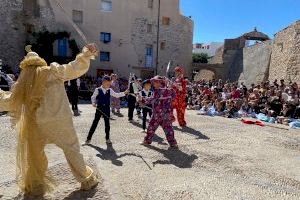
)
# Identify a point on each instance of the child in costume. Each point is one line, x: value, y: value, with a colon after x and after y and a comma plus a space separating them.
x: 161, y: 101
x: 179, y: 102
x: 101, y: 100
x: 40, y: 112
x: 146, y: 110
x: 115, y: 102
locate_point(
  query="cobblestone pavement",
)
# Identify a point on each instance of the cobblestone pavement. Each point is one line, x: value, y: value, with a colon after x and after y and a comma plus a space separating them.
x: 218, y: 159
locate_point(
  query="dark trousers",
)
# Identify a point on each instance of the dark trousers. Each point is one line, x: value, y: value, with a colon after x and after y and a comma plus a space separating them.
x: 98, y: 115
x: 131, y: 107
x: 145, y: 112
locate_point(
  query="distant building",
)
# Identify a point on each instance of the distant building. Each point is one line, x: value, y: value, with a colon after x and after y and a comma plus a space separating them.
x: 209, y: 48
x: 124, y: 30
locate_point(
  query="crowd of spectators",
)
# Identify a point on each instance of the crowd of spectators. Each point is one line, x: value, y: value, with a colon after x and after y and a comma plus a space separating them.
x: 275, y: 102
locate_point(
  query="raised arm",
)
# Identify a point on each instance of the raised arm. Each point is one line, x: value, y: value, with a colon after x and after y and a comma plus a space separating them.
x: 76, y: 68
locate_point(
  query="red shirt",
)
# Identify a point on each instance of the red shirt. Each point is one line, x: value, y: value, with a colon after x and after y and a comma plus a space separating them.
x: 235, y: 94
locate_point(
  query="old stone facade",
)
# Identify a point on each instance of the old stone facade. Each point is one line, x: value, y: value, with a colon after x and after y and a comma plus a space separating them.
x: 132, y: 25
x: 18, y: 19
x: 265, y: 59
x: 285, y: 60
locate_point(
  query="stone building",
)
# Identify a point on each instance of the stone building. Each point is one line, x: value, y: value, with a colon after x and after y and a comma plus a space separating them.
x: 125, y: 32
x: 264, y: 59
x: 18, y: 19
x: 209, y: 48
x: 285, y: 59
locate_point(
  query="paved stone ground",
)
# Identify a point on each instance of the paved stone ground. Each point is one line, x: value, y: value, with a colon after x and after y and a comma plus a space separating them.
x: 218, y: 159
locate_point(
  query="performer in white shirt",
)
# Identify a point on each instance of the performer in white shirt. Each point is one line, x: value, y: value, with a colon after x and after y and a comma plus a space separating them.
x: 101, y: 100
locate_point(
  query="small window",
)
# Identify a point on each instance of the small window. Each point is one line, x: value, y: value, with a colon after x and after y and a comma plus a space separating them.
x: 77, y: 16
x: 149, y: 28
x: 104, y: 56
x: 166, y: 21
x: 162, y: 45
x: 207, y: 46
x: 105, y: 37
x: 106, y: 5
x: 150, y: 3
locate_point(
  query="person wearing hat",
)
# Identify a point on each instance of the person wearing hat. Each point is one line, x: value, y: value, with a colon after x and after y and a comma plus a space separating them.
x: 146, y: 110
x: 40, y: 112
x: 115, y: 102
x: 101, y: 100
x: 179, y: 102
x: 161, y: 102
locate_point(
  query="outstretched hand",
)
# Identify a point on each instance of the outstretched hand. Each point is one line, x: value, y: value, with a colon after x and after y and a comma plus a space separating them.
x: 92, y: 48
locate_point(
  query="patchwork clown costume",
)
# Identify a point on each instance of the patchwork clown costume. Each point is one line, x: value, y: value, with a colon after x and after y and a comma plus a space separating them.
x: 161, y: 101
x: 179, y: 102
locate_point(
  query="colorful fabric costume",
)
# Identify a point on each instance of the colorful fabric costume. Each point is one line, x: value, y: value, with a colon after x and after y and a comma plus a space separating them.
x: 115, y: 102
x: 161, y: 101
x: 179, y: 102
x: 39, y: 108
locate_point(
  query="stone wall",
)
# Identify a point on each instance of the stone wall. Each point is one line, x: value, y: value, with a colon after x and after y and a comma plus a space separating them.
x: 12, y: 37
x: 256, y: 60
x: 285, y: 59
x: 18, y: 18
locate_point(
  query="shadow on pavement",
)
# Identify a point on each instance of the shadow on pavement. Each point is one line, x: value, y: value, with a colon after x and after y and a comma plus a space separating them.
x: 156, y: 138
x: 108, y: 154
x: 118, y: 114
x: 137, y: 124
x: 192, y: 131
x: 174, y: 157
x: 81, y: 195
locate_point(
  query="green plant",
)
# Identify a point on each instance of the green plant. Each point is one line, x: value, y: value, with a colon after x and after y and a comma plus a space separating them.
x: 200, y: 58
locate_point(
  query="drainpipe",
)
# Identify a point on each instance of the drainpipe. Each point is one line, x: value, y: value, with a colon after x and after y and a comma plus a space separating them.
x: 157, y: 38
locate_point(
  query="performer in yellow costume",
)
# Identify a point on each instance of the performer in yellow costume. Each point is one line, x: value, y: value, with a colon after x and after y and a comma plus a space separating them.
x: 40, y: 112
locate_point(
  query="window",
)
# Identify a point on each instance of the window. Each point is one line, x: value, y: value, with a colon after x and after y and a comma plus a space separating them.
x: 207, y: 46
x: 148, y: 56
x: 62, y: 47
x: 29, y: 28
x: 104, y: 56
x: 105, y: 37
x: 162, y: 45
x: 166, y: 21
x: 77, y: 16
x: 106, y: 5
x: 150, y: 3
x: 149, y: 28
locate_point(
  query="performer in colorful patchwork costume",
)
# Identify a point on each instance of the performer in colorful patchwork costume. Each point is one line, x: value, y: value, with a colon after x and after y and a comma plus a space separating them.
x: 161, y: 101
x: 115, y: 102
x: 40, y: 112
x: 179, y: 102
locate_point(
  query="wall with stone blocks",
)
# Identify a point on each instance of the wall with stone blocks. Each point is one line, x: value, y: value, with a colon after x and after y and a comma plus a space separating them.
x: 285, y: 60
x: 256, y: 60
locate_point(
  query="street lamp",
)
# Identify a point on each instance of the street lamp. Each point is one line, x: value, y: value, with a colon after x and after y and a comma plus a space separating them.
x: 157, y: 38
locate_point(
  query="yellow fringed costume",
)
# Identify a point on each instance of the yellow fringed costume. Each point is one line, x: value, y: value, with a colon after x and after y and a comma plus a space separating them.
x: 40, y: 112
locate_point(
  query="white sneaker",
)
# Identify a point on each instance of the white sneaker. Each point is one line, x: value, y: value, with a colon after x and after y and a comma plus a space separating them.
x: 108, y: 141
x: 143, y: 131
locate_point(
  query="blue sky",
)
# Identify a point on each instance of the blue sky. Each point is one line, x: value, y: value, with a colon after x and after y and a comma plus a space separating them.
x: 216, y: 20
